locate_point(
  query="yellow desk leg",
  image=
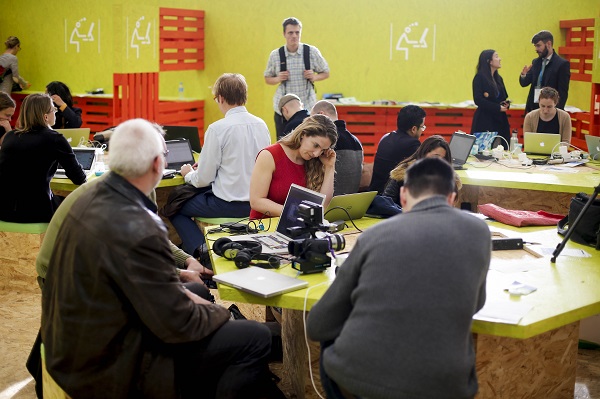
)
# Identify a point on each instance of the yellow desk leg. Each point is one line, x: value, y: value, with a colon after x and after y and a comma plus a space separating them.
x: 542, y: 367
x: 296, y: 382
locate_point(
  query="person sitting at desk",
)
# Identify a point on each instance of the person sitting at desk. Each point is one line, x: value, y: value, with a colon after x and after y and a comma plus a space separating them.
x: 29, y: 157
x: 304, y: 157
x: 225, y: 165
x: 114, y: 313
x: 548, y: 118
x: 7, y: 110
x: 403, y: 301
x: 434, y: 146
x: 292, y: 112
x: 398, y: 145
x: 67, y: 116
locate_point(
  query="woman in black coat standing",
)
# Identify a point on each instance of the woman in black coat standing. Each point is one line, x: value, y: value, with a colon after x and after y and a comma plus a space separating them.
x: 490, y: 96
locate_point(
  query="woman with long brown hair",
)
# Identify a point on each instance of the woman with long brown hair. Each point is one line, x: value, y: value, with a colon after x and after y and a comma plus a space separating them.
x: 304, y: 157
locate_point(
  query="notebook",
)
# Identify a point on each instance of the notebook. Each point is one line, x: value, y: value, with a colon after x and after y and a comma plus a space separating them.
x: 180, y: 153
x: 260, y: 282
x: 540, y: 143
x: 593, y: 145
x: 460, y: 148
x: 277, y: 242
x: 76, y: 136
x: 184, y: 132
x: 355, y: 204
x: 86, y: 158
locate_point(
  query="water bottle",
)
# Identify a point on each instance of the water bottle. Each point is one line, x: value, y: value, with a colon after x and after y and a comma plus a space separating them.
x: 514, y: 140
x: 180, y: 90
x: 100, y: 165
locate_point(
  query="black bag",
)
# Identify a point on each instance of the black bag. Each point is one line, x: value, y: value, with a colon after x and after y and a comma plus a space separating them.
x: 587, y: 231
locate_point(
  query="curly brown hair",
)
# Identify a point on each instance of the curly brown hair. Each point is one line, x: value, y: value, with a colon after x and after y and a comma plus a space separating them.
x: 316, y: 125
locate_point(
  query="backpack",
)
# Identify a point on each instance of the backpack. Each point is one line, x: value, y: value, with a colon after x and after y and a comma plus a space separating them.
x: 305, y: 54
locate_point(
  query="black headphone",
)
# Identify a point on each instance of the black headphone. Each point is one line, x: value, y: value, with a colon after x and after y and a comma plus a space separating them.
x: 244, y: 252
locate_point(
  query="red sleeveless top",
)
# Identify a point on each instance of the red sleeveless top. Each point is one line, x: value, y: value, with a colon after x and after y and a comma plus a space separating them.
x: 286, y: 172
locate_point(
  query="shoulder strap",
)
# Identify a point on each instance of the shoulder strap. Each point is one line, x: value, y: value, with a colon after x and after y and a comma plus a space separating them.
x: 306, y: 55
x: 282, y: 59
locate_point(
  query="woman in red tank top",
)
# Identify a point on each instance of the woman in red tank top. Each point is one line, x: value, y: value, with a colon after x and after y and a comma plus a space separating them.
x: 304, y: 157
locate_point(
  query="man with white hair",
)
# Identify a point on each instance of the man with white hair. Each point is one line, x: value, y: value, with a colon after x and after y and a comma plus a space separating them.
x: 116, y: 320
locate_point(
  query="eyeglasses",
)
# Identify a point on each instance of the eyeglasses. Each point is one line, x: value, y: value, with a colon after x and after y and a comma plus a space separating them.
x: 216, y: 98
x: 423, y: 127
x: 53, y: 109
x: 165, y: 153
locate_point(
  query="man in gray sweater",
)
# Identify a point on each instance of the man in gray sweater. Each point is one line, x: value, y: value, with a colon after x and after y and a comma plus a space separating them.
x: 396, y: 322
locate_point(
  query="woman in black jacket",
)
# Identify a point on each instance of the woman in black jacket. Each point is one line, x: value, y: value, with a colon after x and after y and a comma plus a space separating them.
x: 490, y: 96
x: 67, y: 116
x: 29, y: 157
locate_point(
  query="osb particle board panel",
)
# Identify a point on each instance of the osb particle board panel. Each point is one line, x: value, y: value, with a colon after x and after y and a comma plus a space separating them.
x: 543, y: 366
x: 17, y: 260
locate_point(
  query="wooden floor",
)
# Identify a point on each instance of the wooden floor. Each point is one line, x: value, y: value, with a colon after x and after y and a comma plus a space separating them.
x: 20, y: 321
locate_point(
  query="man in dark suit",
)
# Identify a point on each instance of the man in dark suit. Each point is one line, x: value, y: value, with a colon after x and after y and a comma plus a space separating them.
x: 549, y: 69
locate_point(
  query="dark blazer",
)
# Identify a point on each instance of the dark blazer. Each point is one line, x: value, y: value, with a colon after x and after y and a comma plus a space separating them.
x: 294, y: 121
x: 70, y: 118
x: 113, y: 308
x: 488, y: 116
x: 557, y: 75
x: 27, y: 163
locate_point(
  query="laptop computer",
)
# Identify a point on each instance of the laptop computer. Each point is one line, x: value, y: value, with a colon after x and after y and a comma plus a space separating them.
x: 277, y: 242
x: 540, y: 143
x: 76, y: 136
x: 355, y: 206
x: 184, y: 132
x: 260, y: 282
x: 460, y: 148
x: 85, y: 156
x: 180, y: 153
x: 593, y: 145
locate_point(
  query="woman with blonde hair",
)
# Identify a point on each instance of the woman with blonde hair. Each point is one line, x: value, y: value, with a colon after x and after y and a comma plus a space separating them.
x: 304, y: 157
x: 29, y: 157
x: 9, y: 66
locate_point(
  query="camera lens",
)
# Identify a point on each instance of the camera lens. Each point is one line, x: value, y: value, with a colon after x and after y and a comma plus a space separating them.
x: 337, y: 242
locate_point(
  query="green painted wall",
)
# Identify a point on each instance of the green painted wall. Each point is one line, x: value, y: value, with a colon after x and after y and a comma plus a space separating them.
x: 357, y: 37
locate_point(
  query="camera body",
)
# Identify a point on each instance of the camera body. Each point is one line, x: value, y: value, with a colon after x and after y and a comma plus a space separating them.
x: 310, y: 252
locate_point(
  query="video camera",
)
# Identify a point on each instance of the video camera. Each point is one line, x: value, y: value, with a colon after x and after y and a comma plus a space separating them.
x: 310, y: 254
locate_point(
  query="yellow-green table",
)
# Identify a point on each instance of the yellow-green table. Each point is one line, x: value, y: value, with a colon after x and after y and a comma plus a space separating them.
x: 525, y: 188
x: 534, y: 358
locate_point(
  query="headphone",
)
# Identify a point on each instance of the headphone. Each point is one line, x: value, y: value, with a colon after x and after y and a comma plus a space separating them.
x: 244, y: 252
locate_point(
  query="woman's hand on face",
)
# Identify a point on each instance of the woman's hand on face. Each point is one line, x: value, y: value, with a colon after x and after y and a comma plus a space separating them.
x: 328, y: 158
x: 57, y: 100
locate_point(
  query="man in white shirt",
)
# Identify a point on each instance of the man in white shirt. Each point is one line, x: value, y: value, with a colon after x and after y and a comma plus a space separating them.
x: 225, y: 165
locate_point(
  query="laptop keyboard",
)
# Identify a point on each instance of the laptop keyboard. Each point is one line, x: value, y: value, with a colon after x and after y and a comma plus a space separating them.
x: 272, y: 241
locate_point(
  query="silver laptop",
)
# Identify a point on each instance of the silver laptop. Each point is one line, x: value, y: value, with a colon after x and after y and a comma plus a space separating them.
x: 540, y: 143
x: 75, y: 137
x: 460, y: 148
x: 277, y: 242
x: 593, y: 145
x: 180, y: 153
x: 260, y: 282
x: 349, y: 206
x: 86, y: 158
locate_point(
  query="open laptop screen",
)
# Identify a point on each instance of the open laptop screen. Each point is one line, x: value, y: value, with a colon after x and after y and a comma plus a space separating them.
x: 85, y: 157
x: 289, y: 217
x: 179, y: 154
x: 460, y: 147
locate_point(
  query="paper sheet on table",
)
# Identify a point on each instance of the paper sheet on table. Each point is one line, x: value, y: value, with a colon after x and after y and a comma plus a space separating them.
x: 503, y: 312
x: 509, y: 266
x: 577, y: 253
x: 560, y: 169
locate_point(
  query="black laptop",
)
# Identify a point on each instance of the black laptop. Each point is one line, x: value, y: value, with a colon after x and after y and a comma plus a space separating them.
x: 184, y: 132
x: 460, y: 148
x: 180, y: 153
